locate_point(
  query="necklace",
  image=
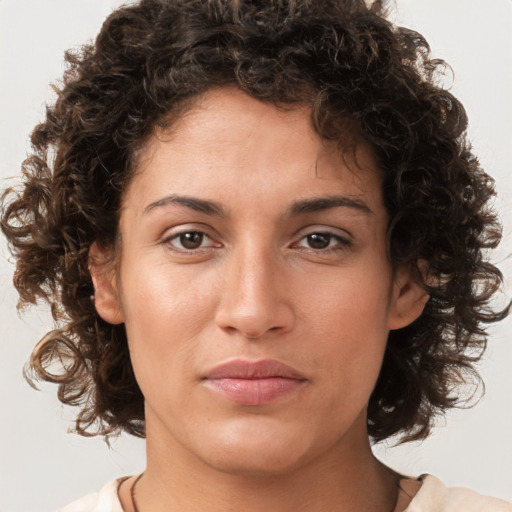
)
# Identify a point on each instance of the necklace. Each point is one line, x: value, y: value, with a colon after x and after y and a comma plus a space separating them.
x: 132, y: 493
x: 136, y: 508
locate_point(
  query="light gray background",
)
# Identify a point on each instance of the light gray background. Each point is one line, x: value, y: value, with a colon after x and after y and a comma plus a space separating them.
x: 41, y: 466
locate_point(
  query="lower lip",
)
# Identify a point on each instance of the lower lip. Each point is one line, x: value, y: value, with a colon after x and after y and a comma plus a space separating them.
x: 254, y: 391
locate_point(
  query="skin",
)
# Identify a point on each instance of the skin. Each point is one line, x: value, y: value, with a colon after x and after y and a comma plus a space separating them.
x: 266, y: 278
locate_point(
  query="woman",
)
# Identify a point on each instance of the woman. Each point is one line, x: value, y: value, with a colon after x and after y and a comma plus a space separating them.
x: 260, y: 229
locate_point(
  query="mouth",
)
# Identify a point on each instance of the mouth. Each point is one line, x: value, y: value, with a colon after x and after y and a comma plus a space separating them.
x: 254, y: 382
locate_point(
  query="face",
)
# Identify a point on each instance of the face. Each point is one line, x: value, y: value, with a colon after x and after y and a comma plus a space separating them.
x: 255, y: 288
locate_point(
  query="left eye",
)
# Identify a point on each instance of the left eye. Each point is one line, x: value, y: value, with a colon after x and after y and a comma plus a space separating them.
x: 190, y: 240
x: 320, y: 241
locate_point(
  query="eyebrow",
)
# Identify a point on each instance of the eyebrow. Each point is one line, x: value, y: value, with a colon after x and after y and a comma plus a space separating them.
x: 199, y: 205
x: 300, y: 207
x: 325, y: 203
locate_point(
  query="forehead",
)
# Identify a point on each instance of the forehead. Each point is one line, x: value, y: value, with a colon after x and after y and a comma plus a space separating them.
x: 227, y: 139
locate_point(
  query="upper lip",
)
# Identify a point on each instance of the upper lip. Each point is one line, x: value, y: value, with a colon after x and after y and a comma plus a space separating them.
x: 262, y: 369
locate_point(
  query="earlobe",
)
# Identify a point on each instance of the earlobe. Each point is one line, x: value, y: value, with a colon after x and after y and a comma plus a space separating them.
x: 106, y: 297
x: 409, y: 298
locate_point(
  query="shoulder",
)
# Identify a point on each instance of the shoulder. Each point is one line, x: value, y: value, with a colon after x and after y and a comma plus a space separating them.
x: 434, y: 496
x: 105, y: 500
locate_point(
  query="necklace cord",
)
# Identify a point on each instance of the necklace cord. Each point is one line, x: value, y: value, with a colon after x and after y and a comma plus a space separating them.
x: 133, y: 489
x: 132, y: 493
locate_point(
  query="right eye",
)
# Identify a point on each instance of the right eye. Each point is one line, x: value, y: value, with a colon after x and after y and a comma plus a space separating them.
x: 188, y: 241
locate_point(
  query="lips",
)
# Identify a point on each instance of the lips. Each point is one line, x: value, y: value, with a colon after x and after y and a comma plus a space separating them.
x: 254, y: 382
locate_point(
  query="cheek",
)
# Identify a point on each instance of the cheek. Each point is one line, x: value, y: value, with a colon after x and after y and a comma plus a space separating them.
x: 165, y: 314
x: 348, y: 319
x: 355, y: 300
x: 166, y: 298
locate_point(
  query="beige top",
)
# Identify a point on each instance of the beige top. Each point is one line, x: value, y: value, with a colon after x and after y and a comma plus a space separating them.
x: 433, y: 496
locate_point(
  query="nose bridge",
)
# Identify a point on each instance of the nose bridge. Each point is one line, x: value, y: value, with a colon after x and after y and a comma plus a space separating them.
x: 253, y: 301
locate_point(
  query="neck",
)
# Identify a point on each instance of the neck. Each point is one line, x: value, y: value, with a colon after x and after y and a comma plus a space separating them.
x: 347, y: 478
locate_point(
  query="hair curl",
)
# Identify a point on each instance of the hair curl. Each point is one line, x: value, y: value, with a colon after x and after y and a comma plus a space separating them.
x: 345, y: 62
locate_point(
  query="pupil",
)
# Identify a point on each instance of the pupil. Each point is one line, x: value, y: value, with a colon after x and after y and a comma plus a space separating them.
x: 192, y: 240
x: 319, y: 241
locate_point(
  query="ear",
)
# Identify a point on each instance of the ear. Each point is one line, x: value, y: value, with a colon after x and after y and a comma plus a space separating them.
x: 106, y: 296
x: 409, y: 296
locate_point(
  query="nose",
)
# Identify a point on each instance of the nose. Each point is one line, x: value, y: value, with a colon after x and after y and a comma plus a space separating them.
x: 254, y: 299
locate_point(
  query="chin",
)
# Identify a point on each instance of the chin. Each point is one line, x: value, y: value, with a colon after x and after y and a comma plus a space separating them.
x: 257, y: 452
x: 259, y: 463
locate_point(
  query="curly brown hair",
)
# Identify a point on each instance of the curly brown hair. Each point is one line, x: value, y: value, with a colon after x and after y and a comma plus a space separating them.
x: 354, y: 70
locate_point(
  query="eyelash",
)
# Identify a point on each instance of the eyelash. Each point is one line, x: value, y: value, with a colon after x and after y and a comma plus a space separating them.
x: 342, y: 243
x: 178, y: 236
